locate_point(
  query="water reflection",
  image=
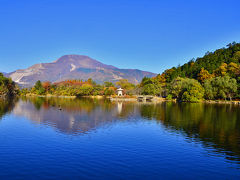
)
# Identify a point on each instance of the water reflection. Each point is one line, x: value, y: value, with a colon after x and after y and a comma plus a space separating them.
x: 72, y: 116
x: 215, y: 126
x: 6, y: 106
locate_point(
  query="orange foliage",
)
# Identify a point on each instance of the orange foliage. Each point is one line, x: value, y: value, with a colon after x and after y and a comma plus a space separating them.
x: 74, y: 82
x: 161, y: 78
x: 46, y: 85
x: 222, y: 70
x: 234, y: 68
x: 203, y: 75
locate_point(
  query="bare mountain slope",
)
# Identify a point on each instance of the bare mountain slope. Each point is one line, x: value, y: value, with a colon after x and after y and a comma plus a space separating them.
x: 75, y: 67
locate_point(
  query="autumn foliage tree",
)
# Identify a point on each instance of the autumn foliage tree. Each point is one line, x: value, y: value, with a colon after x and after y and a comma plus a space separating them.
x: 47, y: 86
x: 204, y: 75
x: 125, y: 84
x: 222, y: 70
x: 233, y: 69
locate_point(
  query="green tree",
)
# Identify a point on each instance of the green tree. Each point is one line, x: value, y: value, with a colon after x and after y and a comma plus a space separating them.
x: 221, y: 87
x: 84, y: 90
x: 185, y: 89
x: 38, y: 88
x: 176, y: 87
x: 98, y: 90
x: 193, y: 93
x: 7, y: 87
x: 24, y: 92
x: 109, y: 91
x: 208, y: 90
x: 126, y: 86
x: 145, y: 81
x: 149, y: 89
x: 152, y: 86
x: 123, y: 83
x: 236, y: 57
x: 108, y: 84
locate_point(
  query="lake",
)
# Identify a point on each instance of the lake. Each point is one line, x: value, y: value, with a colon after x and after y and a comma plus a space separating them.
x: 59, y: 138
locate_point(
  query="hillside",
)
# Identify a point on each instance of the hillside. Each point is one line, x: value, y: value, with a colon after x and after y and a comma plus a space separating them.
x: 211, y: 61
x: 76, y: 67
x: 215, y: 76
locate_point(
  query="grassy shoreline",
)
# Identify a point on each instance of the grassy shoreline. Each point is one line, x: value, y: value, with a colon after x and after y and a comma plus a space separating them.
x: 134, y: 99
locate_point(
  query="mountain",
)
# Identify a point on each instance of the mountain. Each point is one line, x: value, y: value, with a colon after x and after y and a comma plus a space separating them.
x: 76, y: 67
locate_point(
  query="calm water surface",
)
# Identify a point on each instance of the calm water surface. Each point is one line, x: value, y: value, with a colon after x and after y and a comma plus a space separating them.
x: 96, y: 139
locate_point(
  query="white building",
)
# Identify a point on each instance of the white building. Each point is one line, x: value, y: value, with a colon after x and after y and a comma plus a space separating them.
x: 119, y: 91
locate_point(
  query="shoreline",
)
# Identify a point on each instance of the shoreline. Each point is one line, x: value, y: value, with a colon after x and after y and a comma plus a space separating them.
x: 221, y: 102
x: 134, y: 99
x: 48, y: 95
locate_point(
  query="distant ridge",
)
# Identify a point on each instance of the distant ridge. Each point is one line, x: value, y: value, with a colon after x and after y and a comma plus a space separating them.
x: 76, y: 67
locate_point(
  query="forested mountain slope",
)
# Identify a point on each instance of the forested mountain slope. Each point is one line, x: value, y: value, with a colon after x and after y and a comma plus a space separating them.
x: 211, y: 62
x: 216, y: 75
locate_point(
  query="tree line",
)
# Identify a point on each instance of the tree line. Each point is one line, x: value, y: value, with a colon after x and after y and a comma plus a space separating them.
x: 214, y: 76
x: 79, y: 88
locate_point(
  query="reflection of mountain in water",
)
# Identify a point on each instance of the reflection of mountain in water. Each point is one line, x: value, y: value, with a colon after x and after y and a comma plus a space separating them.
x: 68, y: 115
x: 215, y: 126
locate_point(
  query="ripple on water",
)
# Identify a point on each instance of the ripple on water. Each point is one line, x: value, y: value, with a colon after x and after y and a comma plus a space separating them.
x: 100, y: 140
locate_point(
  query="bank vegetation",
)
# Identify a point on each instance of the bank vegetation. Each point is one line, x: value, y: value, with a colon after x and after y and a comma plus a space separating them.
x: 215, y: 76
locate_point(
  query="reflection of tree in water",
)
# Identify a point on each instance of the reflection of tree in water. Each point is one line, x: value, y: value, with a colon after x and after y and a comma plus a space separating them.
x: 36, y: 101
x: 6, y: 105
x: 216, y: 126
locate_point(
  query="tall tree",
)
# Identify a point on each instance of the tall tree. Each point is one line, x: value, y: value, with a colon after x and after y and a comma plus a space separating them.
x: 221, y: 87
x: 38, y: 88
x: 185, y: 89
x: 204, y: 75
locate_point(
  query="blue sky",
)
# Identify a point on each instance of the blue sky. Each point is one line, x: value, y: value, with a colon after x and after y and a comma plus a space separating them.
x: 149, y: 35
